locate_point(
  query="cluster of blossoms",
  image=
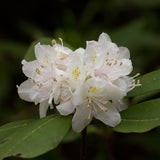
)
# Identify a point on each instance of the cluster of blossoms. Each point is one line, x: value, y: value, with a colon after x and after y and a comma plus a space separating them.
x: 88, y: 82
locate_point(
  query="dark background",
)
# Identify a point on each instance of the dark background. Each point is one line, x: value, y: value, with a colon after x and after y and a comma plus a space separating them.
x: 131, y: 23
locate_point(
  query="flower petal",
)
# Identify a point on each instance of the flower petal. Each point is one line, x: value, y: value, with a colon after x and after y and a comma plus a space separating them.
x: 29, y: 68
x: 43, y: 107
x: 81, y: 118
x: 120, y: 105
x: 66, y: 108
x: 76, y: 70
x: 32, y: 93
x: 44, y: 53
x: 27, y: 92
x: 104, y: 38
x: 93, y: 55
x: 118, y: 68
x: 123, y: 53
x: 110, y: 118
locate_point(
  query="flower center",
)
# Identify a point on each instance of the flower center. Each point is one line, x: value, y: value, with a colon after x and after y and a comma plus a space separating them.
x: 75, y: 73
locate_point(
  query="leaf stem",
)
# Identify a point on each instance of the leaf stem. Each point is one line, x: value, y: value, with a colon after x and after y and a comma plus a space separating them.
x: 84, y: 144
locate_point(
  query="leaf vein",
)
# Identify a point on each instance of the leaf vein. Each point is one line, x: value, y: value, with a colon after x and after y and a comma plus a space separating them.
x: 23, y: 125
x: 141, y: 120
x: 29, y: 134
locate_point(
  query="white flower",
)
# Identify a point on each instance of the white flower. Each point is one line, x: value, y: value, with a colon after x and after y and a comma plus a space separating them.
x: 106, y: 59
x: 96, y: 98
x: 75, y: 77
x: 91, y: 82
x: 45, y: 76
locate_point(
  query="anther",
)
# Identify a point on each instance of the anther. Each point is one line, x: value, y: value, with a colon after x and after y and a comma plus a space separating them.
x: 138, y: 74
x: 29, y: 79
x: 61, y: 41
x: 105, y: 102
x: 54, y: 79
x: 119, y: 101
x: 88, y: 106
x: 17, y: 86
x: 34, y: 81
x: 111, y: 59
x: 107, y: 63
x: 67, y: 81
x: 121, y: 63
x: 138, y: 81
x: 42, y: 66
x: 133, y: 81
x: 115, y: 62
x: 54, y: 41
x: 62, y: 99
x: 106, y: 60
x: 40, y: 85
x: 38, y: 71
x: 107, y: 53
x: 61, y: 75
x: 117, y: 52
x: 106, y: 109
x: 130, y: 86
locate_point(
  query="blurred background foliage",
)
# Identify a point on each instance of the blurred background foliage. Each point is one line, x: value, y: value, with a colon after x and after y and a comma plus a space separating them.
x: 131, y: 23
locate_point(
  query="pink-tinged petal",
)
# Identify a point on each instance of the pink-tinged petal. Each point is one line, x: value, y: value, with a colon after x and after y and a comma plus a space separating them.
x: 82, y: 117
x: 66, y: 108
x: 117, y: 68
x: 43, y: 107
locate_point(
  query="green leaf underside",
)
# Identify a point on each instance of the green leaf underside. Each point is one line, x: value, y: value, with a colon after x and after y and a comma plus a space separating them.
x: 31, y: 138
x: 150, y: 82
x: 140, y: 118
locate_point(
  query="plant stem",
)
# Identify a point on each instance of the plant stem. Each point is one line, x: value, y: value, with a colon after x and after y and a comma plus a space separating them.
x: 84, y: 144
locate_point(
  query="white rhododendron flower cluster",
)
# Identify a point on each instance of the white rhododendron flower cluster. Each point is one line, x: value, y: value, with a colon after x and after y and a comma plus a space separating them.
x: 89, y: 82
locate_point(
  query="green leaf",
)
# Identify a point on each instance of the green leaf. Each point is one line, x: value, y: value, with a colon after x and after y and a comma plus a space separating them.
x: 140, y: 118
x: 150, y: 82
x: 31, y: 138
